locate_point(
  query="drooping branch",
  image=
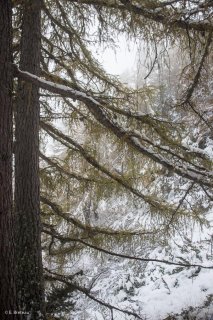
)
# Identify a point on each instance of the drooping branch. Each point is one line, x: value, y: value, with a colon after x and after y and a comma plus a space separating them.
x: 157, y: 12
x: 154, y: 123
x: 181, y: 202
x: 95, y: 108
x: 198, y: 74
x: 154, y: 202
x: 64, y: 239
x: 91, y: 230
x: 72, y: 175
x: 87, y: 64
x: 166, y: 17
x: 53, y: 276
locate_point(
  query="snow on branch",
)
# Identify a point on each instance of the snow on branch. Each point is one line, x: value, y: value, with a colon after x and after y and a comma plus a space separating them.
x: 53, y: 87
x: 97, y: 111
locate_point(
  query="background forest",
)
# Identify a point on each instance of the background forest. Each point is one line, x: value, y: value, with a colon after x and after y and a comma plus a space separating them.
x: 106, y: 181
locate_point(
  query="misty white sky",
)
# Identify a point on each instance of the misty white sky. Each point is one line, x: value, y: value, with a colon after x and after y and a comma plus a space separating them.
x: 120, y: 60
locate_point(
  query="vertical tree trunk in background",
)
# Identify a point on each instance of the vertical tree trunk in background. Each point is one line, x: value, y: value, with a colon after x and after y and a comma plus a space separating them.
x: 7, y: 284
x: 27, y: 198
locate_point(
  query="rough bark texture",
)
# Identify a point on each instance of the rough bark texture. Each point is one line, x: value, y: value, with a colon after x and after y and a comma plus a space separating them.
x: 27, y: 199
x: 7, y: 284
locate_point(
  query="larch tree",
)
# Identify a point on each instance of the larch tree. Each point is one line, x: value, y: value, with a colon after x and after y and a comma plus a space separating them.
x: 29, y: 281
x: 7, y: 262
x: 109, y: 145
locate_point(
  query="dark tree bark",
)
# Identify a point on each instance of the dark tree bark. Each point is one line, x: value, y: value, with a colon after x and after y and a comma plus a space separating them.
x: 27, y: 199
x: 7, y: 282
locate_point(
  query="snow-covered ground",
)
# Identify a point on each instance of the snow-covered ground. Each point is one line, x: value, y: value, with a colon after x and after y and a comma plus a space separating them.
x: 153, y: 290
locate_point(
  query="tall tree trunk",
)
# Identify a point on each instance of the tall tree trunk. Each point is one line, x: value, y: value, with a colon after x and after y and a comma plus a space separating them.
x: 7, y: 283
x: 27, y: 198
